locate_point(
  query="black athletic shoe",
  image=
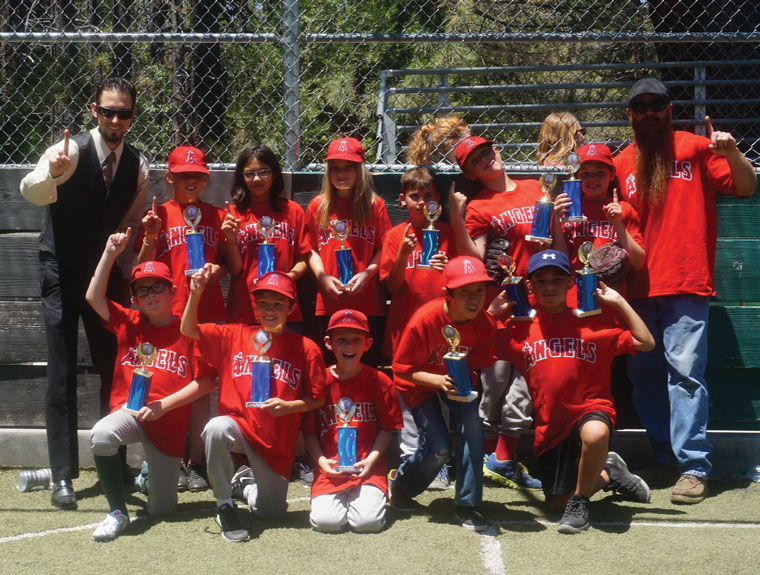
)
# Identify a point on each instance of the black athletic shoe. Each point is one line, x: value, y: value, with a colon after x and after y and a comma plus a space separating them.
x: 232, y: 526
x: 242, y: 478
x: 471, y: 519
x: 629, y: 486
x: 575, y: 519
x: 182, y: 478
x: 196, y: 480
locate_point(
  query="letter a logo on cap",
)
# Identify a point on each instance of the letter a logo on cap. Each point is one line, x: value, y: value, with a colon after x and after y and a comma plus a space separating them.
x: 190, y: 158
x: 343, y: 147
x: 272, y: 281
x: 148, y: 268
x: 468, y: 268
x: 592, y: 150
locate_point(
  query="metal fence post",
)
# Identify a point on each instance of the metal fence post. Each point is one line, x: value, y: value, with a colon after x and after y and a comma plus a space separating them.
x: 700, y: 96
x: 291, y: 99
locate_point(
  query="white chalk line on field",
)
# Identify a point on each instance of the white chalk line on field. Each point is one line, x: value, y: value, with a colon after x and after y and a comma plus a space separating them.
x: 490, y: 552
x: 489, y: 545
x: 94, y: 525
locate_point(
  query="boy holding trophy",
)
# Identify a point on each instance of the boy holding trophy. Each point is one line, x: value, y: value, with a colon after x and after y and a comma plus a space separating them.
x: 349, y: 433
x: 566, y: 361
x: 154, y: 383
x: 425, y: 369
x: 257, y: 421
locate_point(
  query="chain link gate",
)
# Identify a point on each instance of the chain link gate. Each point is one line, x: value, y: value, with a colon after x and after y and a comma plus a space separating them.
x: 223, y: 75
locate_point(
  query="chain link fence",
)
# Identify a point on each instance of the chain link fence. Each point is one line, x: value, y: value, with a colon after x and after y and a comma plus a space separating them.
x: 225, y: 74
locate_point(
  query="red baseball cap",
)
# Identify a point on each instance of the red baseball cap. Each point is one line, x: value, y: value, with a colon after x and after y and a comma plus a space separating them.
x: 151, y: 270
x: 187, y: 159
x: 349, y: 149
x: 279, y: 282
x: 350, y: 318
x: 466, y: 146
x: 596, y: 153
x: 464, y: 270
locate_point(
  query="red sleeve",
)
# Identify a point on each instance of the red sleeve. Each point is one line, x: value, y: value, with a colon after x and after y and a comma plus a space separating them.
x: 481, y: 356
x: 314, y: 387
x: 310, y: 222
x: 390, y: 251
x: 211, y: 343
x: 309, y: 422
x: 718, y: 173
x: 382, y: 221
x: 475, y: 222
x: 413, y: 348
x: 386, y: 404
x: 119, y: 316
x: 632, y: 224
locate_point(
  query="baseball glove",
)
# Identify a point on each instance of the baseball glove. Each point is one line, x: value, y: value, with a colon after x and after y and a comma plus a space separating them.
x: 611, y: 263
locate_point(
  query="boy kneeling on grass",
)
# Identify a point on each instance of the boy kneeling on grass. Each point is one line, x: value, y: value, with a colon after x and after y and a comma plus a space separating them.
x: 420, y: 375
x: 160, y: 425
x: 359, y: 397
x: 264, y: 435
x: 566, y: 361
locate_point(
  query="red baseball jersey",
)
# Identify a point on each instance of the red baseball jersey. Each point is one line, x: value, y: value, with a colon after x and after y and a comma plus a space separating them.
x: 298, y: 372
x: 421, y: 285
x: 566, y: 362
x: 172, y: 250
x: 679, y: 235
x: 290, y: 244
x: 377, y: 408
x: 364, y: 241
x: 423, y: 346
x: 173, y: 368
x: 507, y: 215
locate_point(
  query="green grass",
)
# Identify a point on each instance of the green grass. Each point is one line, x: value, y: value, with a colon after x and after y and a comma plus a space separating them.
x: 624, y: 537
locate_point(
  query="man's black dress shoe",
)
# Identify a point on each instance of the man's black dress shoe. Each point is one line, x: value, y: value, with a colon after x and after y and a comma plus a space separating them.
x: 63, y: 495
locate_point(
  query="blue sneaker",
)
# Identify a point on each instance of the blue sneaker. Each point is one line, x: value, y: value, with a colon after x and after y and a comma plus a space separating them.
x: 509, y: 474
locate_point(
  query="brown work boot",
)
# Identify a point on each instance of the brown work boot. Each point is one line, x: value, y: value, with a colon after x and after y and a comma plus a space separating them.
x: 689, y: 489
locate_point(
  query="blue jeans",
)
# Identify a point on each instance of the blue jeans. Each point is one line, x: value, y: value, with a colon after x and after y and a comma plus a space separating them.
x: 669, y: 389
x: 416, y: 473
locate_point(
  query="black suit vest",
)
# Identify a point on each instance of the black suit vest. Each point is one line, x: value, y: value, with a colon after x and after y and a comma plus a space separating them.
x: 78, y: 224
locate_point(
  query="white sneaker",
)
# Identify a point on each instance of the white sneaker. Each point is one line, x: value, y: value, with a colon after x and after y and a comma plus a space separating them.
x: 109, y: 529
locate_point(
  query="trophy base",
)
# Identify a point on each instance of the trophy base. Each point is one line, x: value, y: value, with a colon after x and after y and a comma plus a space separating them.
x: 537, y: 239
x: 581, y: 313
x: 130, y: 411
x: 528, y: 317
x: 189, y: 273
x: 573, y: 219
x: 255, y: 403
x: 472, y: 396
x: 347, y: 469
x: 423, y: 267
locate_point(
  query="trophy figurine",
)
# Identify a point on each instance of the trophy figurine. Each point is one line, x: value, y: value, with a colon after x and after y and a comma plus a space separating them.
x: 343, y: 253
x: 456, y: 366
x: 265, y: 264
x: 542, y: 211
x: 193, y: 240
x: 572, y: 187
x: 432, y: 211
x: 346, y: 437
x: 515, y: 289
x: 587, y: 282
x: 138, y: 389
x: 261, y: 370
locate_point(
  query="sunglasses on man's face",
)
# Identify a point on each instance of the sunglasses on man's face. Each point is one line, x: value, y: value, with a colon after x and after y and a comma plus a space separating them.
x: 109, y: 113
x: 643, y: 107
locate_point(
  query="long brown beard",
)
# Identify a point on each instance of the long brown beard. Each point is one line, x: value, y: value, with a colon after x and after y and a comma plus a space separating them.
x: 654, y: 154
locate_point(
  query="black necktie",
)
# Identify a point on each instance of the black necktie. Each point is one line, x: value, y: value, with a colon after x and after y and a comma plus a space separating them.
x: 108, y: 169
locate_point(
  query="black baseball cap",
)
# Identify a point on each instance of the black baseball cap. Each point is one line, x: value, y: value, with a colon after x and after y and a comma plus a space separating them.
x: 647, y: 86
